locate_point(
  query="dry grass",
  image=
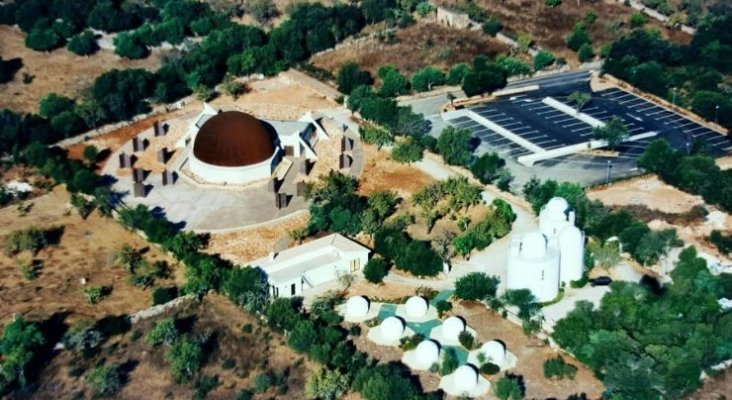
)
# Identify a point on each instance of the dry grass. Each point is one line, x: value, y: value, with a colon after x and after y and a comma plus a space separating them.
x: 59, y: 71
x: 253, y: 353
x: 83, y: 251
x: 415, y: 47
x: 382, y: 173
x: 550, y: 26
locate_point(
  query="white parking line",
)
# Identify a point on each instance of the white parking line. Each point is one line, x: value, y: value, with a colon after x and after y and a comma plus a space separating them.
x: 623, y: 96
x: 645, y: 109
x: 581, y: 129
x: 511, y: 124
x: 574, y: 124
x: 654, y: 113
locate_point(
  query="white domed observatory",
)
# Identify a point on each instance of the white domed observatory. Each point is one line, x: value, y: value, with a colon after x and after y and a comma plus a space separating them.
x: 427, y: 352
x: 417, y: 307
x: 465, y: 378
x: 357, y: 307
x: 494, y: 351
x: 452, y: 328
x: 541, y: 260
x: 392, y: 329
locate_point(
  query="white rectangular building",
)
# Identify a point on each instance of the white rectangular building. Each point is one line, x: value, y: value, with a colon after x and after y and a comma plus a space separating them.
x: 311, y: 264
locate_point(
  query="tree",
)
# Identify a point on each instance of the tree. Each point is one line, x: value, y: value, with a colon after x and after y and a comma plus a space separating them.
x: 476, y: 286
x: 246, y: 287
x: 543, y: 59
x: 419, y: 259
x: 655, y: 245
x: 552, y: 3
x: 409, y: 123
x: 82, y: 336
x: 165, y: 332
x: 375, y: 270
x: 54, y: 104
x: 523, y: 42
x: 454, y: 145
x: 232, y: 87
x: 325, y: 384
x: 185, y: 357
x: 425, y: 8
x: 407, y: 151
x: 376, y: 135
x: 487, y: 168
x: 263, y: 10
x: 350, y: 76
x: 282, y: 314
x: 508, y: 388
x: 637, y: 20
x: 513, y: 66
x: 607, y: 254
x: 130, y: 45
x: 105, y: 380
x: 467, y: 340
x: 486, y: 80
x: 578, y: 37
x: 42, y: 40
x: 557, y: 367
x: 83, y: 44
x: 19, y: 345
x: 424, y: 79
x: 614, y: 132
x: 585, y: 53
x: 456, y: 73
x: 393, y: 83
x: 492, y: 26
x: 358, y: 95
x: 579, y: 99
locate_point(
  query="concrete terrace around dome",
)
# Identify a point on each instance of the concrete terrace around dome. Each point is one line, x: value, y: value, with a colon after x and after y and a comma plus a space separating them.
x: 463, y: 382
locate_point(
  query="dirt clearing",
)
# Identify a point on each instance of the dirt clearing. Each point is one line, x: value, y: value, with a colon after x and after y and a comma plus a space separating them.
x: 382, y: 173
x: 59, y: 71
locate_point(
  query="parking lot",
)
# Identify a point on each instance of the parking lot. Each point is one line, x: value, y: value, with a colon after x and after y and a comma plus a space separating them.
x: 540, y: 125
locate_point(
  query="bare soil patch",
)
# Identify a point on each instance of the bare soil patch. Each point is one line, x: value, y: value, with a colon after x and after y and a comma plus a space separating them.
x: 244, y: 246
x: 415, y: 47
x: 59, y: 71
x: 237, y: 337
x: 662, y: 206
x: 83, y: 251
x: 380, y: 172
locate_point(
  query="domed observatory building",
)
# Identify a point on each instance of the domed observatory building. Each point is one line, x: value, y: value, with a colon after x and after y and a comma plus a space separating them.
x: 233, y: 147
x: 465, y: 381
x: 423, y: 356
x: 541, y: 260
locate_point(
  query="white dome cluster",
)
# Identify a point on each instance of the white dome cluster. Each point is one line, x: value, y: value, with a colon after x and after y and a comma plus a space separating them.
x: 417, y: 307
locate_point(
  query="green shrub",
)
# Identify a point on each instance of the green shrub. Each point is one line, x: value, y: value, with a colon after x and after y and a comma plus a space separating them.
x: 476, y: 286
x: 556, y: 367
x: 407, y: 151
x: 410, y: 342
x: 722, y: 241
x: 467, y: 340
x: 105, y: 380
x: 204, y: 385
x: 163, y: 295
x: 492, y: 26
x: 443, y: 307
x: 489, y: 368
x: 262, y: 382
x: 375, y: 270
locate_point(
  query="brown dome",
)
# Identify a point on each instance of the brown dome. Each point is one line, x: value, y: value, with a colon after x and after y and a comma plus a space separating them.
x: 233, y: 139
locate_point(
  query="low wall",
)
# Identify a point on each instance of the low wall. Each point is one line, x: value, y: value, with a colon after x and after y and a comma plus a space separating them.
x: 529, y: 159
x: 559, y: 106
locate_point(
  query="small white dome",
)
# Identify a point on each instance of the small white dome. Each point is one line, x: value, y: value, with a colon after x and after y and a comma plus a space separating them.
x: 465, y: 378
x: 417, y: 307
x: 452, y: 327
x: 494, y: 351
x: 557, y: 205
x: 533, y: 245
x: 357, y: 306
x: 392, y: 328
x: 428, y: 352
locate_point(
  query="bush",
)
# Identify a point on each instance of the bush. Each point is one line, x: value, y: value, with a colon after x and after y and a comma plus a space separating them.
x: 489, y: 368
x: 375, y: 270
x: 185, y: 357
x: 165, y: 331
x: 449, y: 362
x: 105, y: 380
x: 467, y: 340
x: 492, y: 26
x: 262, y: 382
x: 487, y: 168
x: 411, y: 342
x: 585, y: 53
x: 722, y: 241
x: 476, y: 286
x: 407, y: 151
x: 543, y: 59
x: 204, y: 385
x: 556, y: 367
x: 443, y: 307
x: 163, y: 295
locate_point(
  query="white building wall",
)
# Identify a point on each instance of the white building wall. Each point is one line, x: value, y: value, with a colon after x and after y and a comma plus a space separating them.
x: 320, y: 275
x: 539, y: 275
x: 572, y: 250
x: 233, y: 175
